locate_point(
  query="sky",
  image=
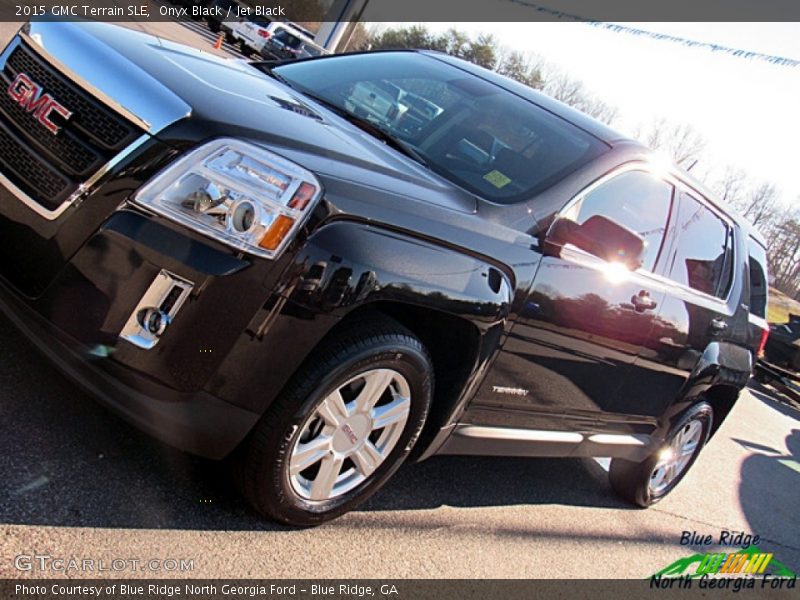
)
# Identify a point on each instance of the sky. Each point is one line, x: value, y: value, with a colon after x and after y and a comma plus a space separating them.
x: 748, y: 110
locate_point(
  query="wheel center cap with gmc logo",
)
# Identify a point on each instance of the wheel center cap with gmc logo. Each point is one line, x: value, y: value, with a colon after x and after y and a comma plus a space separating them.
x: 351, y: 434
x: 31, y: 97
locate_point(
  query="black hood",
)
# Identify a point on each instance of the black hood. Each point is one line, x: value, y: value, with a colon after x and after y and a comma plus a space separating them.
x: 231, y: 97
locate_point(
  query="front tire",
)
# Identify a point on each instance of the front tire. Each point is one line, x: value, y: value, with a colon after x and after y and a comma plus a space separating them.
x: 344, y: 424
x: 645, y: 483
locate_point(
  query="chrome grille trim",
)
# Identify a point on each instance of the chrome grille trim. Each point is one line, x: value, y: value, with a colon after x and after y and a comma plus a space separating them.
x: 78, y: 194
x: 157, y: 106
x: 34, y: 45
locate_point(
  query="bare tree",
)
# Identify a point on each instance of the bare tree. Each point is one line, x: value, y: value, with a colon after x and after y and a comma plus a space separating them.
x: 563, y: 87
x: 680, y: 140
x: 783, y: 240
x: 520, y: 67
x: 600, y: 110
x: 761, y: 205
x: 572, y: 91
x: 730, y: 187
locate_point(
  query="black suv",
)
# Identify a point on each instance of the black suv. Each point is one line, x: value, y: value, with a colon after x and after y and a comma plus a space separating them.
x: 242, y: 264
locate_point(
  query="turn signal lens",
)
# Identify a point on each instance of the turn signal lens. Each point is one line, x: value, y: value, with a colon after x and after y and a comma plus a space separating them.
x: 277, y: 231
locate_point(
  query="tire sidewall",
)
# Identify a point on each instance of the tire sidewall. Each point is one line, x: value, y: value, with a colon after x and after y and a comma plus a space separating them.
x: 406, y: 359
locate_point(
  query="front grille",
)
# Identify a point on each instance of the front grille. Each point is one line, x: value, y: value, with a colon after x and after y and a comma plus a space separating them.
x: 102, y: 124
x: 34, y: 178
x: 47, y: 167
x: 68, y: 149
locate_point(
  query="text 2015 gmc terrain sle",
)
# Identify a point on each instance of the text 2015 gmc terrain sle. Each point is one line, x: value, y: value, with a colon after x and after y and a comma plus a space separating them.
x: 320, y: 268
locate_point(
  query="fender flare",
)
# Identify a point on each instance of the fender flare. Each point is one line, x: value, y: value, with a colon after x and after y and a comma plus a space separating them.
x: 721, y: 364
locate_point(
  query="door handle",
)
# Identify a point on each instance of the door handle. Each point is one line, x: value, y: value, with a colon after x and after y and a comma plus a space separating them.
x: 642, y: 301
x: 718, y: 325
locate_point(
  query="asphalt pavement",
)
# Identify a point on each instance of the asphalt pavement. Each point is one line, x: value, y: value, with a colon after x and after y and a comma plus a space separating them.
x: 77, y: 482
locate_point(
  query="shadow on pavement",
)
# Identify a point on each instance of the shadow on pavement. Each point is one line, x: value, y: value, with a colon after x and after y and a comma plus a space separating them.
x: 769, y: 484
x: 67, y: 461
x: 774, y: 399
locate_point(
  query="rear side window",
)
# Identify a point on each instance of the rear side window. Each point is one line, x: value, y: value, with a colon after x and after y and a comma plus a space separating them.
x: 288, y: 39
x: 311, y: 50
x: 703, y: 257
x: 758, y: 278
x: 637, y: 200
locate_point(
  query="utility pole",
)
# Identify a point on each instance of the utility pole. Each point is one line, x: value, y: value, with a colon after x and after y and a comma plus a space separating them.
x: 339, y: 23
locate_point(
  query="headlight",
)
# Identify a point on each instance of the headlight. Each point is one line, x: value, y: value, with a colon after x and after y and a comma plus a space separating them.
x: 237, y: 193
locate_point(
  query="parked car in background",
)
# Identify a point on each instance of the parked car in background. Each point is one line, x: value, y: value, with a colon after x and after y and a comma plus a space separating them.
x: 783, y: 345
x: 385, y: 102
x: 256, y: 261
x: 420, y: 111
x: 251, y: 33
x: 286, y: 41
x: 378, y: 101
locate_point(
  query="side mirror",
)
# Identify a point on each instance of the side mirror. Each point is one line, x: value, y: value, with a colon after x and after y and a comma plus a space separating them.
x: 600, y: 237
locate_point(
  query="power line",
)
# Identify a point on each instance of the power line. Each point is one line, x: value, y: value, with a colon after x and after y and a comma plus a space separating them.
x: 780, y: 61
x: 736, y: 52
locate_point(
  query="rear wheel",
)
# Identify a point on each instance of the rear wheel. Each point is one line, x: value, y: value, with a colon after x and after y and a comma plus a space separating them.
x: 647, y: 482
x: 344, y: 425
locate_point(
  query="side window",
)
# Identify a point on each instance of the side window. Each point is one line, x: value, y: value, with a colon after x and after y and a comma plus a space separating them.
x: 702, y: 260
x: 758, y: 279
x: 636, y: 199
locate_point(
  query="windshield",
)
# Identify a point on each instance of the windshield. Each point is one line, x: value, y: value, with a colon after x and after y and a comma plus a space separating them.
x: 480, y: 136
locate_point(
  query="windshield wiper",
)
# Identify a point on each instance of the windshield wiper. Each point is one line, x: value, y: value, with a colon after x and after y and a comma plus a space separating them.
x: 363, y: 124
x: 372, y: 129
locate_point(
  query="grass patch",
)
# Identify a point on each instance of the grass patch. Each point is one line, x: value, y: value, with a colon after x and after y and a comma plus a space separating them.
x: 779, y: 307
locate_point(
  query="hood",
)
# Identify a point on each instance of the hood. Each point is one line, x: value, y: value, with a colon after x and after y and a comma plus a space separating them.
x: 167, y: 84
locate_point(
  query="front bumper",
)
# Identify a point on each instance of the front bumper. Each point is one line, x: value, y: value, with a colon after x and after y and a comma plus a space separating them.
x: 195, y: 422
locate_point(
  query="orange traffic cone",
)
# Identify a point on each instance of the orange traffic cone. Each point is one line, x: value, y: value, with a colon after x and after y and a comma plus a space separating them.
x: 218, y: 43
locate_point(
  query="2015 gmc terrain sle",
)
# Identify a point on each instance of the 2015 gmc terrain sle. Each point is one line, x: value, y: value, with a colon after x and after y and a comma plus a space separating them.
x: 322, y: 267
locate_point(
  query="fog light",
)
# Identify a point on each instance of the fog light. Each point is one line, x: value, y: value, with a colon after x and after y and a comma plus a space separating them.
x: 156, y: 310
x: 154, y: 321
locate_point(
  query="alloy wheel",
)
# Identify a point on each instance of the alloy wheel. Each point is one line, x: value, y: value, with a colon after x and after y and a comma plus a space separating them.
x: 676, y: 457
x: 349, y: 435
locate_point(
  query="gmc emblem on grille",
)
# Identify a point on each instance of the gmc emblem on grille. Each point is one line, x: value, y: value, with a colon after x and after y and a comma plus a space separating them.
x: 30, y: 96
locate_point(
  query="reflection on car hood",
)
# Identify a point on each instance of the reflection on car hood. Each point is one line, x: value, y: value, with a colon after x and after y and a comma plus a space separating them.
x: 234, y: 98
